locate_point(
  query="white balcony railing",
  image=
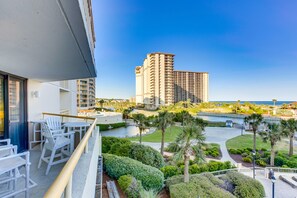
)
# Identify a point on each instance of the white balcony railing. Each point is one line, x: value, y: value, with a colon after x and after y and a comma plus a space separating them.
x: 63, y: 182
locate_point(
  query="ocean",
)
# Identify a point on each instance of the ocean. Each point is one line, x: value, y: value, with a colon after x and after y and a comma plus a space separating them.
x: 278, y: 103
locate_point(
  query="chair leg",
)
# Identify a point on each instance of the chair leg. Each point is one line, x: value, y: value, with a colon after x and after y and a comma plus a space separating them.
x: 27, y: 181
x: 50, y: 161
x: 41, y: 157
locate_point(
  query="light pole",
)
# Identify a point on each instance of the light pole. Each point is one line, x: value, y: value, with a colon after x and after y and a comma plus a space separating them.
x: 254, y: 154
x: 273, y: 180
x: 242, y: 128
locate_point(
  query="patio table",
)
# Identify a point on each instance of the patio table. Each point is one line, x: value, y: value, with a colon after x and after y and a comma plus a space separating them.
x: 79, y: 127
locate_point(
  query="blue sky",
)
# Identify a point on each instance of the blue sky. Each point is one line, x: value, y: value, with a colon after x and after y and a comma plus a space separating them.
x: 249, y: 48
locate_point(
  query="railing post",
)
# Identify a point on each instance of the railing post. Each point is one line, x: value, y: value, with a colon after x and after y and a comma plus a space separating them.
x: 100, y: 144
x: 68, y: 189
x: 87, y: 147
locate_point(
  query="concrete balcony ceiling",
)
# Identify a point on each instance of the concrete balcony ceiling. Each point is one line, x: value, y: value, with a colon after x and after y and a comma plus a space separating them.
x: 45, y: 40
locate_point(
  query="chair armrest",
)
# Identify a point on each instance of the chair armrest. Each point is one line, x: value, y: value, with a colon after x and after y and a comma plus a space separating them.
x: 6, y: 140
x: 8, y: 150
x: 58, y: 131
x: 24, y: 154
x: 64, y: 134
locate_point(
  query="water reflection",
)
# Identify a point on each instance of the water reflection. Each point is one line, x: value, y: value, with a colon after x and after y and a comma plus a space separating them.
x: 221, y: 119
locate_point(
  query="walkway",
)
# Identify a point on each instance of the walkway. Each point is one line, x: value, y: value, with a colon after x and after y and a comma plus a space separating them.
x: 218, y: 135
x: 282, y: 189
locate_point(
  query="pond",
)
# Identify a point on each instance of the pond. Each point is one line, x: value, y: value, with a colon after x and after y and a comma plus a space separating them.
x: 128, y: 131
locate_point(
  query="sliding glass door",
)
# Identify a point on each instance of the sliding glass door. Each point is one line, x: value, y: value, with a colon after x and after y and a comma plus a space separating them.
x: 13, y: 110
x: 17, y: 122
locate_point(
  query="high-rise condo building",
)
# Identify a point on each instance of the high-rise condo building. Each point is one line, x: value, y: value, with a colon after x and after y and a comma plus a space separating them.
x: 86, y: 95
x: 155, y: 80
x: 158, y: 84
x: 190, y: 85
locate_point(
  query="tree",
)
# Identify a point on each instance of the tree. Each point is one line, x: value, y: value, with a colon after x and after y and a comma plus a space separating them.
x: 183, y: 117
x: 162, y: 122
x: 254, y: 121
x: 201, y: 123
x: 189, y: 132
x: 126, y: 114
x: 290, y: 127
x: 272, y: 135
x: 101, y: 103
x: 142, y: 123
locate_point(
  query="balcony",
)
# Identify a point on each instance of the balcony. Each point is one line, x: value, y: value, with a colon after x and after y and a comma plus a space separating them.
x: 77, y: 177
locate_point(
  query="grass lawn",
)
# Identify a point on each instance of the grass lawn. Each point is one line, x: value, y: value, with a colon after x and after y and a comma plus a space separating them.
x: 170, y: 135
x: 246, y: 141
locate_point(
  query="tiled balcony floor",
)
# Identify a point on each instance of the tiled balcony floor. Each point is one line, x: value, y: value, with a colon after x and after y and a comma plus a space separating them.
x: 38, y: 176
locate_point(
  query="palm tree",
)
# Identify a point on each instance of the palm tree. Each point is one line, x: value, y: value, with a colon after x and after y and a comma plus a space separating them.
x: 185, y: 117
x: 254, y: 121
x: 189, y: 132
x: 142, y: 123
x: 272, y: 135
x: 290, y: 127
x: 162, y: 122
x: 101, y: 103
x: 126, y: 114
x: 201, y: 123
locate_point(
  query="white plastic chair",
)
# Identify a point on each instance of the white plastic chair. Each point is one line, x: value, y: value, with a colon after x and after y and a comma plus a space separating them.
x: 55, y: 124
x: 55, y: 142
x: 4, y: 143
x: 10, y: 163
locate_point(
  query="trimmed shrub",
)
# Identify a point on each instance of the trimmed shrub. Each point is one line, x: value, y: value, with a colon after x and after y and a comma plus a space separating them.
x: 213, y: 166
x: 199, y: 186
x: 106, y: 127
x: 233, y: 151
x: 247, y: 159
x: 170, y: 171
x: 172, y: 147
x: 130, y: 186
x: 121, y: 149
x: 244, y: 155
x: 107, y: 142
x: 146, y: 155
x: 261, y: 163
x: 124, y: 147
x: 150, y: 177
x: 245, y: 186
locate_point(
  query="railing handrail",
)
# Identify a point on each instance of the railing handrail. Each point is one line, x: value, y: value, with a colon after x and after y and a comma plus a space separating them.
x: 58, y: 186
x: 69, y: 116
x: 279, y: 169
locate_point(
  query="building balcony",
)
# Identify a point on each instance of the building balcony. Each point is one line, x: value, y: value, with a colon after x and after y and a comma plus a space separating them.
x: 81, y: 174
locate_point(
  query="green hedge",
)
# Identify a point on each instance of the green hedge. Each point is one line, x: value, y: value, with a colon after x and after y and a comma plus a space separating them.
x: 124, y: 147
x: 211, y: 166
x: 170, y: 171
x: 105, y: 127
x: 116, y: 166
x: 107, y: 143
x: 199, y: 186
x: 245, y: 186
x: 146, y: 155
x: 130, y: 186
